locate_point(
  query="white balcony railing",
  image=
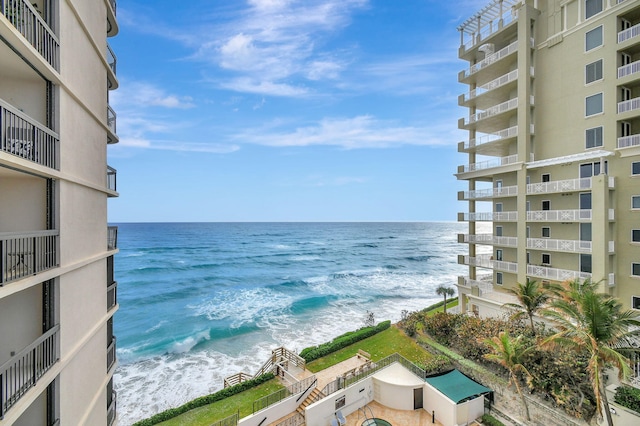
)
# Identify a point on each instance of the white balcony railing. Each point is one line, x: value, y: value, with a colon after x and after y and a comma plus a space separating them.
x: 630, y: 105
x: 492, y: 85
x: 559, y: 186
x: 628, y: 141
x: 494, y: 110
x: 554, y: 274
x: 582, y: 215
x: 505, y: 191
x: 486, y: 262
x: 612, y: 246
x: 490, y: 164
x: 495, y: 57
x: 511, y: 132
x: 491, y: 217
x: 571, y: 246
x: 612, y: 279
x: 490, y: 239
x: 629, y: 69
x: 629, y: 33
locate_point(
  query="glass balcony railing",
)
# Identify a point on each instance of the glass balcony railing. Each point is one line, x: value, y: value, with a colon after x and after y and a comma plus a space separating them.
x: 112, y: 237
x: 112, y: 174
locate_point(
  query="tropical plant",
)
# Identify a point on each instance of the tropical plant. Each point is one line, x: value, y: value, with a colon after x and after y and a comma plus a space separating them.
x: 595, y: 323
x: 445, y: 291
x: 531, y: 298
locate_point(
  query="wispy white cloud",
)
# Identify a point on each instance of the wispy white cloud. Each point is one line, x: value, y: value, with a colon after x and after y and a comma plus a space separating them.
x: 177, y: 146
x: 350, y: 133
x: 142, y: 94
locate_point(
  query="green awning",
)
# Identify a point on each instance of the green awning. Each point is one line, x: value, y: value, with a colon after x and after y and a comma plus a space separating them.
x: 456, y: 386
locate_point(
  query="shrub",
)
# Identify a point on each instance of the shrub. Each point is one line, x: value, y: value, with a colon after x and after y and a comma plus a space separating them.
x: 204, y: 400
x: 628, y: 397
x: 442, y: 327
x: 489, y: 420
x: 314, y: 352
x: 436, y: 364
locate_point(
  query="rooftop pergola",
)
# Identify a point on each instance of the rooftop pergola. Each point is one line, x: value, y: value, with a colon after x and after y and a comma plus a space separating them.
x: 492, y: 13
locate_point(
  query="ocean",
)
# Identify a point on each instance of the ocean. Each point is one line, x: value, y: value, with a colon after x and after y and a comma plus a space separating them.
x: 202, y: 301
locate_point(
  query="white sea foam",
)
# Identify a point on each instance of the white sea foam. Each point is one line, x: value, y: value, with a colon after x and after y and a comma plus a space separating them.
x: 155, y: 327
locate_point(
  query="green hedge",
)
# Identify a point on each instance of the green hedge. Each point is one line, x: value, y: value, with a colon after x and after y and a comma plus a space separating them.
x: 489, y: 420
x: 314, y: 352
x: 628, y: 397
x: 204, y: 400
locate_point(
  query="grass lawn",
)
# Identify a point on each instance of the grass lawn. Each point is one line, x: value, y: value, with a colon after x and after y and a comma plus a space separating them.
x: 383, y: 344
x: 221, y: 409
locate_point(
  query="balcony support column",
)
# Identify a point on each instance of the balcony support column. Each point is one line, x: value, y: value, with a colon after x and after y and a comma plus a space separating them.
x: 600, y: 231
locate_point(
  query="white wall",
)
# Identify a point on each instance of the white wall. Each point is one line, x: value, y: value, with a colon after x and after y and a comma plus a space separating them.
x: 469, y: 411
x: 443, y: 406
x: 21, y: 322
x: 275, y: 411
x: 22, y: 204
x: 356, y: 396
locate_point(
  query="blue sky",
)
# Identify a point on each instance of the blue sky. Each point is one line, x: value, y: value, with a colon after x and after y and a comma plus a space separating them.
x: 287, y: 110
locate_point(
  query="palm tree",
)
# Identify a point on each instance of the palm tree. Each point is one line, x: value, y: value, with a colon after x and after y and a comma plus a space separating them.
x: 509, y: 353
x: 531, y: 297
x: 445, y: 291
x: 595, y: 323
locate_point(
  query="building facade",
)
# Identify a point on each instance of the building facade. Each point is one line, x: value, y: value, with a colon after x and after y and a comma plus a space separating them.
x: 553, y: 147
x: 57, y: 289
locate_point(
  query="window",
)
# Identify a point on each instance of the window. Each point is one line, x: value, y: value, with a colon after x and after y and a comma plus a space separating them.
x: 635, y: 302
x: 546, y: 232
x: 498, y: 208
x: 635, y: 202
x: 625, y: 94
x: 635, y: 168
x: 585, y: 263
x: 592, y: 7
x: 585, y: 232
x: 546, y: 177
x: 528, y: 232
x: 499, y: 278
x: 594, y: 137
x: 528, y: 206
x: 635, y: 269
x: 625, y: 129
x: 592, y: 169
x: 593, y: 39
x: 585, y: 201
x: 499, y: 254
x: 546, y: 259
x: 498, y: 231
x: 635, y: 235
x: 593, y: 71
x: 546, y: 205
x: 593, y: 104
x: 528, y: 258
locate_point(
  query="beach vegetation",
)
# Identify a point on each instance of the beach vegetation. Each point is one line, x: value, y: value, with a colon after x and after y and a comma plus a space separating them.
x: 628, y: 397
x: 252, y: 389
x: 445, y: 291
x: 531, y: 298
x: 489, y: 420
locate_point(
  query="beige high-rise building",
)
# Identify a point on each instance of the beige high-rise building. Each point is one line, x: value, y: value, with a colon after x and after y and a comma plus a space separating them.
x: 553, y: 148
x: 57, y: 292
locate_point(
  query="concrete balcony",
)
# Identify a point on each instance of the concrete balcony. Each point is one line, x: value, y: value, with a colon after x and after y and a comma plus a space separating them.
x: 492, y: 86
x: 112, y: 295
x: 24, y: 369
x: 493, y: 111
x: 485, y: 261
x: 111, y: 179
x: 27, y: 20
x: 629, y: 141
x: 23, y: 137
x: 489, y: 239
x: 570, y: 185
x: 630, y: 105
x: 112, y: 22
x: 505, y: 191
x: 23, y: 254
x: 488, y: 217
x: 570, y: 246
x: 112, y: 135
x: 629, y: 33
x: 112, y: 237
x: 111, y: 409
x: 630, y: 69
x: 553, y: 274
x: 559, y: 216
x: 112, y: 80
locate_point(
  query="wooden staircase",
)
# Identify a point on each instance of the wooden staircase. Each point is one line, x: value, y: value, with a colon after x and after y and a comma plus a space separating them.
x: 314, y: 396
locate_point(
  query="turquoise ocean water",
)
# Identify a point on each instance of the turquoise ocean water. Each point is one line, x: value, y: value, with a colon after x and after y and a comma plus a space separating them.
x: 202, y: 301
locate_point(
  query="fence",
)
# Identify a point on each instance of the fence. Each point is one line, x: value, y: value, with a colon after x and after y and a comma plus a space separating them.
x: 294, y: 389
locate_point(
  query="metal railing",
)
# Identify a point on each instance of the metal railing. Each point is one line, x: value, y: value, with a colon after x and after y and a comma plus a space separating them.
x: 495, y: 57
x: 490, y: 164
x: 559, y: 215
x: 23, y: 370
x: 612, y: 279
x: 232, y: 420
x: 111, y: 409
x: 571, y: 246
x: 111, y: 178
x: 627, y: 141
x: 111, y: 353
x: 494, y: 110
x: 559, y: 186
x: 487, y: 262
x: 112, y: 237
x: 505, y: 191
x: 492, y: 85
x: 296, y: 420
x: 111, y: 119
x: 26, y: 19
x: 629, y: 33
x: 490, y: 239
x: 491, y: 216
x: 629, y: 69
x: 630, y: 105
x: 546, y: 272
x: 111, y: 58
x: 294, y: 389
x: 511, y: 132
x: 24, y: 137
x: 112, y: 296
x: 24, y: 254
